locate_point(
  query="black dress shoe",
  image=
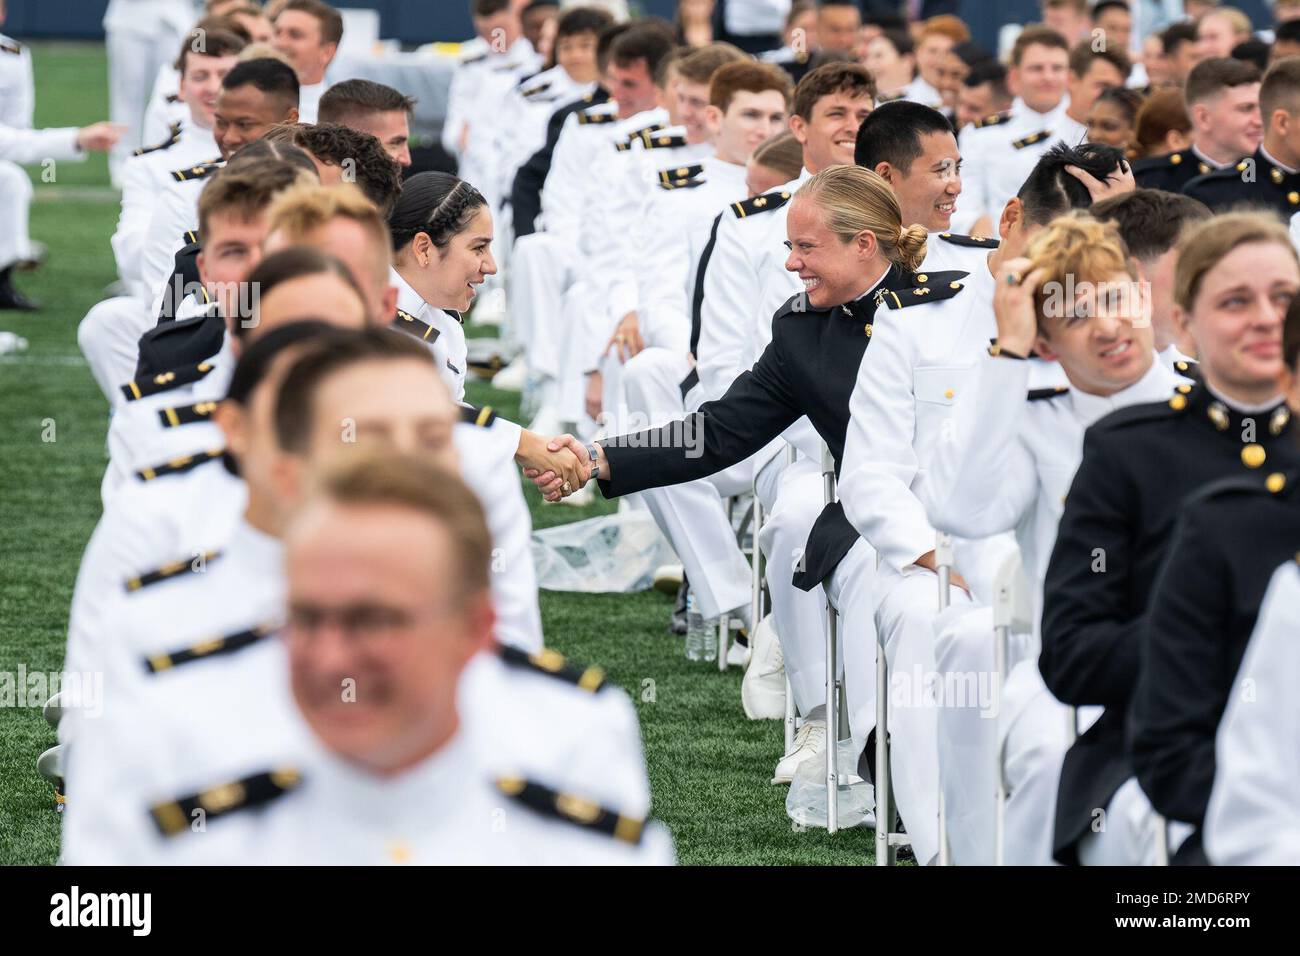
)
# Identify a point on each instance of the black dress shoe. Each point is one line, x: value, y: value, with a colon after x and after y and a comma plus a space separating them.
x: 677, y: 623
x: 11, y: 298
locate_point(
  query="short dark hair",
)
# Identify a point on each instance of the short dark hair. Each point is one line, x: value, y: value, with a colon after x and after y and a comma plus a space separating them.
x: 1036, y: 35
x: 1211, y: 77
x: 605, y: 42
x: 1104, y: 5
x: 829, y: 78
x: 899, y: 40
x: 331, y: 21
x: 988, y: 71
x: 272, y: 77
x: 1280, y: 88
x: 220, y: 38
x: 1288, y: 31
x: 436, y: 204
x: 487, y: 8
x: 1128, y: 101
x: 1175, y: 35
x: 650, y: 40
x: 294, y: 263
x: 1082, y: 57
x: 892, y: 134
x: 582, y: 20
x: 353, y: 98
x: 256, y: 358
x: 263, y: 149
x: 295, y: 404
x: 1150, y: 221
x: 972, y: 52
x: 886, y: 21
x: 1253, y: 51
x: 1049, y: 191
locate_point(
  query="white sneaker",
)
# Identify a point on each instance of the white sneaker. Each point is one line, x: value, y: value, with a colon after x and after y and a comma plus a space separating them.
x: 512, y: 377
x: 53, y: 710
x: 491, y: 309
x: 762, y: 692
x: 50, y: 764
x: 808, y: 743
x: 668, y: 579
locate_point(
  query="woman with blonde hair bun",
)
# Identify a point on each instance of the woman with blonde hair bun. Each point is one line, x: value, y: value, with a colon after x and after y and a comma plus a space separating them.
x: 856, y: 258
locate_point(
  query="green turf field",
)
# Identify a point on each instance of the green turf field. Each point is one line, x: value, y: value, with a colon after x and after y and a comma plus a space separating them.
x: 708, y: 765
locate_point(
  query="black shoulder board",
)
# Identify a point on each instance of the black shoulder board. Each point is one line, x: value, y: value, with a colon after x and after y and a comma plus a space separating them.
x: 975, y: 242
x: 995, y: 119
x: 926, y: 287
x: 535, y: 91
x: 682, y: 184
x: 163, y: 381
x: 474, y: 58
x: 587, y: 118
x: 10, y: 46
x: 201, y: 171
x: 168, y: 143
x: 678, y: 173
x: 417, y: 327
x: 764, y: 203
x: 1039, y: 394
x: 553, y: 664
x: 178, y: 466
x: 191, y: 237
x: 1031, y: 139
x: 576, y: 810
x: 173, y: 98
x: 891, y: 97
x: 209, y: 648
x: 186, y: 414
x: 663, y: 141
x: 169, y: 571
x: 479, y: 417
x: 175, y: 817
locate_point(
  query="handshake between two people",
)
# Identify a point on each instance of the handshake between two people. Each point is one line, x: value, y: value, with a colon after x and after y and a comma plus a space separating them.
x: 559, y: 466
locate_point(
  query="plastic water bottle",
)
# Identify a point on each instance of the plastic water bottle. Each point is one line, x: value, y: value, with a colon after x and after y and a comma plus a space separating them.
x: 696, y: 630
x: 710, y: 639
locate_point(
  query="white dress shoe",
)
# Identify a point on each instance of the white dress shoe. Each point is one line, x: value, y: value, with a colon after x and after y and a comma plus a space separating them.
x: 738, y: 655
x: 762, y: 692
x: 668, y: 578
x: 808, y: 743
x: 512, y: 377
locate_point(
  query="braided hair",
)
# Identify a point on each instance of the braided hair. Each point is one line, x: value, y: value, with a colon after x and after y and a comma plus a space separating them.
x: 436, y: 204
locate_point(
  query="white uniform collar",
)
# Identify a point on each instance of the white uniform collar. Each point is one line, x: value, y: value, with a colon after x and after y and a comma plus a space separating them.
x: 408, y: 300
x: 1243, y: 408
x: 1155, y: 385
x: 258, y: 552
x: 721, y: 170
x: 1214, y: 164
x: 1263, y: 152
x: 1020, y: 108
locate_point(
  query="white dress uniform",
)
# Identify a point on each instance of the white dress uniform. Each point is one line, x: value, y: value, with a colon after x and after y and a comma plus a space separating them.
x: 141, y: 36
x: 1006, y: 463
x: 532, y: 718
x: 487, y: 464
x: 165, y: 105
x: 17, y: 86
x: 525, y: 112
x: 998, y: 153
x: 18, y: 147
x: 441, y: 331
x: 176, y: 213
x: 165, y: 426
x: 309, y: 95
x: 919, y: 91
x: 1254, y: 813
x: 545, y: 263
x: 109, y: 335
x: 478, y: 89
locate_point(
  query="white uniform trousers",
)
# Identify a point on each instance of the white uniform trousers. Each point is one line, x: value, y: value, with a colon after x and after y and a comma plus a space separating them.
x: 906, y: 605
x: 1126, y: 835
x: 15, y: 204
x: 542, y: 269
x: 109, y: 337
x: 1033, y: 732
x: 134, y: 57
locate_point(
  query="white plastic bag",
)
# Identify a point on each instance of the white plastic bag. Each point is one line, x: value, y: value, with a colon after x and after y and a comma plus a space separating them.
x: 805, y: 804
x: 615, y: 553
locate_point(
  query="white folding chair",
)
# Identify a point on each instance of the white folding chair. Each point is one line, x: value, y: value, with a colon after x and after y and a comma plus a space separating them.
x: 752, y: 518
x: 943, y: 565
x: 1013, y: 610
x: 1162, y: 840
x: 836, y: 716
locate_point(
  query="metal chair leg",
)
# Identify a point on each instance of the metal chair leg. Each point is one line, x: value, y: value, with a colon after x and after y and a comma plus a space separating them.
x: 881, y: 783
x: 1001, y: 636
x: 943, y: 564
x: 1162, y: 840
x: 832, y: 674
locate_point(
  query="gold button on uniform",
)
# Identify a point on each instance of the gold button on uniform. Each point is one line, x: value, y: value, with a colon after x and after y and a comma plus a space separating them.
x: 1275, y: 482
x: 1178, y: 403
x: 948, y: 394
x: 1253, y: 455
